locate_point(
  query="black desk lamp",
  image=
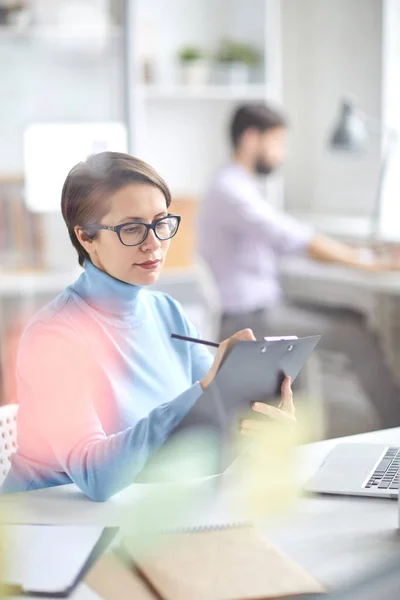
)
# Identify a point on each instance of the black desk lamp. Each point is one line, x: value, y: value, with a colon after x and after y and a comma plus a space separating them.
x: 351, y: 135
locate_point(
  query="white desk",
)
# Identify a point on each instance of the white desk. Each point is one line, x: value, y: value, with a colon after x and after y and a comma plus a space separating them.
x: 374, y: 295
x: 336, y: 285
x: 334, y: 538
x: 341, y: 538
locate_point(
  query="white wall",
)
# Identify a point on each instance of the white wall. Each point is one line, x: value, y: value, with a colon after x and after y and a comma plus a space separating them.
x: 187, y: 139
x: 42, y: 81
x: 330, y: 47
x: 50, y: 78
x: 390, y: 213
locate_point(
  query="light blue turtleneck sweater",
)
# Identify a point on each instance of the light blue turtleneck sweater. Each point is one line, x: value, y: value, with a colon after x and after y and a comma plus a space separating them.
x: 101, y: 385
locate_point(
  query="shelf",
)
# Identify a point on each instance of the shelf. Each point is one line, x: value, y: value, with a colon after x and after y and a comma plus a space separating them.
x: 206, y: 92
x: 55, y: 33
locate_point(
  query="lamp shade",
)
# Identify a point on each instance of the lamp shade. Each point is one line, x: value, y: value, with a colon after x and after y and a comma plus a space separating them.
x: 350, y: 132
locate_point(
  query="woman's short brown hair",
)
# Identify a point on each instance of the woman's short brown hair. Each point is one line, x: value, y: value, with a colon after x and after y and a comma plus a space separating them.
x: 89, y: 183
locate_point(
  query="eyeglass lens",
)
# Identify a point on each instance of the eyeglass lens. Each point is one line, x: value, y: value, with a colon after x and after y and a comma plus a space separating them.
x: 134, y: 233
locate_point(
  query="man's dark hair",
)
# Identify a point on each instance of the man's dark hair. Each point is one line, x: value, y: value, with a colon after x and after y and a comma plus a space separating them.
x: 257, y: 116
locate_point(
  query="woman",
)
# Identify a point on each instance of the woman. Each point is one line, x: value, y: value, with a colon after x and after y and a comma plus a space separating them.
x: 101, y: 383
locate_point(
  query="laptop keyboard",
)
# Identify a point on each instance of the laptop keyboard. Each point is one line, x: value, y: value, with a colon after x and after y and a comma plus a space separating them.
x: 386, y: 474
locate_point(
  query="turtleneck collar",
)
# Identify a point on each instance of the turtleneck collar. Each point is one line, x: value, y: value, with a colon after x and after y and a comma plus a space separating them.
x: 111, y: 297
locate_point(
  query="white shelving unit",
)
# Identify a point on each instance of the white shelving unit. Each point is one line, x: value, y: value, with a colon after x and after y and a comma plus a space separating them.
x: 182, y: 130
x: 202, y: 92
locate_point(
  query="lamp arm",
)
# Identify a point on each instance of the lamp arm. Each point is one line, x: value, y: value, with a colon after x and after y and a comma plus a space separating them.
x: 377, y: 126
x: 391, y: 143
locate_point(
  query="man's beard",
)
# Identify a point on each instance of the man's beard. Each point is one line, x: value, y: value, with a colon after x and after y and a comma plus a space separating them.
x: 263, y: 168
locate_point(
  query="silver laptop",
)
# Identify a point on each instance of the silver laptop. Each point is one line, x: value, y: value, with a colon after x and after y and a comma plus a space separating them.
x: 359, y: 470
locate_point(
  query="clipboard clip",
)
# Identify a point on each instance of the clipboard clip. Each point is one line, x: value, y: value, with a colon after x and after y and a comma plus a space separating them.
x: 264, y: 349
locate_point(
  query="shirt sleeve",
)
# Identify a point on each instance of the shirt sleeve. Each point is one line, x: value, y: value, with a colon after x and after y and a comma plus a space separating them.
x: 246, y: 212
x: 58, y: 381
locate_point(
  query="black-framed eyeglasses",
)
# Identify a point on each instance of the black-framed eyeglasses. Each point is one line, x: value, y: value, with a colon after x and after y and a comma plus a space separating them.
x: 135, y: 233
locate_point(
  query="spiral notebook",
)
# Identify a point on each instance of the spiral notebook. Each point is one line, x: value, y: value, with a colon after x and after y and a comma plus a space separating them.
x: 218, y: 562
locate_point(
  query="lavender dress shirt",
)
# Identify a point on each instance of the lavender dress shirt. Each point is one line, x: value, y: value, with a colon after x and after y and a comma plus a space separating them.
x: 241, y: 236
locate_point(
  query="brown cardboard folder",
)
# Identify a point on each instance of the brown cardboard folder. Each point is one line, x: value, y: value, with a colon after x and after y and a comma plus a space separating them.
x: 227, y: 564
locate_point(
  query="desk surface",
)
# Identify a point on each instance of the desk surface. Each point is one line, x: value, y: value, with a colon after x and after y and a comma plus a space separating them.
x: 303, y: 268
x: 339, y: 538
x: 335, y: 538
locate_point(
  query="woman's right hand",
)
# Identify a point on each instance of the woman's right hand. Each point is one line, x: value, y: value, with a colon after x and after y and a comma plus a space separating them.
x: 243, y: 335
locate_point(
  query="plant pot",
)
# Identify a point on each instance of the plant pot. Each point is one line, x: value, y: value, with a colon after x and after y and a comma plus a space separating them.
x: 195, y: 72
x: 232, y: 73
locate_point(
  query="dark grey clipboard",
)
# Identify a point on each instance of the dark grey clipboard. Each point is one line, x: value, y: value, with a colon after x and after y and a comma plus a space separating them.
x: 251, y: 372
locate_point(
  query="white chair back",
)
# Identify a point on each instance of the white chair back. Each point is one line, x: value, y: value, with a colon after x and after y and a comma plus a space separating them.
x: 8, y: 437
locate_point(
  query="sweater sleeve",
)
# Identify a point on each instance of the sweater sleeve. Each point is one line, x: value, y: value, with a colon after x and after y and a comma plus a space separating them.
x: 58, y: 381
x: 201, y: 358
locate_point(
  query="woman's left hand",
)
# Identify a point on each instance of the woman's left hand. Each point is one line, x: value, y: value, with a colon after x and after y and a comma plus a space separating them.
x: 284, y: 413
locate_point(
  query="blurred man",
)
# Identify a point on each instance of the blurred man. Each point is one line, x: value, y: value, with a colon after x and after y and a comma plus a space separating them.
x: 241, y: 235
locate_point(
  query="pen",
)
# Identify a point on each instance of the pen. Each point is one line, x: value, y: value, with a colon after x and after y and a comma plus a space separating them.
x: 195, y: 340
x: 215, y: 345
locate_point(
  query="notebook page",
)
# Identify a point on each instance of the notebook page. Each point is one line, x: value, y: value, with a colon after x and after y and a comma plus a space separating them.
x: 47, y: 558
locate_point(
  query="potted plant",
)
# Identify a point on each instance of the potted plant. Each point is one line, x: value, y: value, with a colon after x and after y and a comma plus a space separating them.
x: 235, y: 61
x: 194, y: 66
